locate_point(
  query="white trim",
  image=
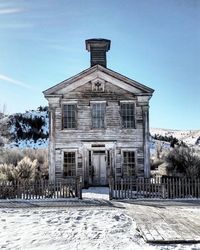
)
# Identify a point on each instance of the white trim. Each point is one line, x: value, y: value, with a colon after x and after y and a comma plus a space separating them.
x: 97, y: 79
x: 98, y: 102
x: 65, y: 101
x: 127, y: 101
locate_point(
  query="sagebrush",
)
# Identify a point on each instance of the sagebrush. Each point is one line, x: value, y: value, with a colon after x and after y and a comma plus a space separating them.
x: 23, y: 165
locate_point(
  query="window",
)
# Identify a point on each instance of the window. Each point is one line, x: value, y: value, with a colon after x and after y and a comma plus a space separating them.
x: 69, y: 116
x: 98, y: 113
x: 128, y: 115
x: 129, y: 163
x: 69, y: 167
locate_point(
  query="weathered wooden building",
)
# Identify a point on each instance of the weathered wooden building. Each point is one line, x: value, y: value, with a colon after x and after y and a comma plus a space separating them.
x: 99, y: 123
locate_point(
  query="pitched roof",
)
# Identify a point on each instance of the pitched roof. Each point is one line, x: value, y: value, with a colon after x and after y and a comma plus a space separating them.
x: 94, y: 72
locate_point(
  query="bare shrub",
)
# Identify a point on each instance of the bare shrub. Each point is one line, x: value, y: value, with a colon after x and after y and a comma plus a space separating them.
x: 6, y: 172
x: 38, y: 160
x: 25, y: 169
x: 11, y: 156
x: 183, y: 162
x: 155, y: 163
x: 2, y: 142
x: 158, y: 158
x: 42, y: 159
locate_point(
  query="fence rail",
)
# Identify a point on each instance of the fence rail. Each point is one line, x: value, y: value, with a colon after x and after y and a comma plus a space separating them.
x: 69, y: 188
x: 152, y: 188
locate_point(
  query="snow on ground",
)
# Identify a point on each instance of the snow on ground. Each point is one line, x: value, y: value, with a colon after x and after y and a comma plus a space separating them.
x: 96, y: 193
x: 67, y: 229
x: 78, y: 228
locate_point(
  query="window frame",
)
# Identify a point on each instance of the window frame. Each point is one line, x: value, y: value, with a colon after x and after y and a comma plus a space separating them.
x: 63, y: 161
x: 135, y: 161
x: 134, y: 114
x: 92, y: 103
x: 75, y: 117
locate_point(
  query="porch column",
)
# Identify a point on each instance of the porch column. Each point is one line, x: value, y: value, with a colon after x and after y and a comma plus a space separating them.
x: 52, y: 144
x: 145, y: 111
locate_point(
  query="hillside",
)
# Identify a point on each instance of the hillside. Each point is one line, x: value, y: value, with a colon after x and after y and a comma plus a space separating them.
x: 190, y: 137
x: 25, y: 130
x: 31, y: 129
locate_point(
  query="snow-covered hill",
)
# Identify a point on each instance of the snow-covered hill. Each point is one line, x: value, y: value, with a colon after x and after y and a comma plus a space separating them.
x: 25, y: 130
x: 190, y: 137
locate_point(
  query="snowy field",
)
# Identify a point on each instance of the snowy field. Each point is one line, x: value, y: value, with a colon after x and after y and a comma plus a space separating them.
x: 72, y: 228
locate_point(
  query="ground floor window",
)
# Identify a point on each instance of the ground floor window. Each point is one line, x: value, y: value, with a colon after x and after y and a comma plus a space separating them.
x: 129, y: 163
x: 69, y: 166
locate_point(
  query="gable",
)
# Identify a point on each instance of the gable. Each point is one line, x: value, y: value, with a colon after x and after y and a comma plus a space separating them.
x: 99, y: 74
x: 105, y: 90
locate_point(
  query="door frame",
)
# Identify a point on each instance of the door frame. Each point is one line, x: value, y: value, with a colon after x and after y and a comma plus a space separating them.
x: 89, y: 147
x: 97, y: 180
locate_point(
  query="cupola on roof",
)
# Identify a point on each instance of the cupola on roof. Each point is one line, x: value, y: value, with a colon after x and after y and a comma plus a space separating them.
x: 98, y: 48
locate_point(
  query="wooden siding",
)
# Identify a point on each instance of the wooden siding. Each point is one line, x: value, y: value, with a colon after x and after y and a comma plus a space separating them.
x: 113, y: 132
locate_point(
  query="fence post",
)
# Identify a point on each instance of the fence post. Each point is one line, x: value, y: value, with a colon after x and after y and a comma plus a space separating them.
x: 78, y: 192
x: 110, y: 188
x: 163, y: 188
x: 81, y: 183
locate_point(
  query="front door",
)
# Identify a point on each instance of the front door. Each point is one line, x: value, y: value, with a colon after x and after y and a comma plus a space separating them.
x: 99, y: 168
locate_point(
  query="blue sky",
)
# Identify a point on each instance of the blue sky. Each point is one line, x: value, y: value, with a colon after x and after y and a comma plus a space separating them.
x: 155, y: 42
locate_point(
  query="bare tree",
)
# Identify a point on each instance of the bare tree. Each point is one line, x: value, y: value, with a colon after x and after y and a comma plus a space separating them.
x: 184, y: 161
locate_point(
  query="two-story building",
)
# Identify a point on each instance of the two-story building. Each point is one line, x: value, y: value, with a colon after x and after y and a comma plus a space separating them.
x: 99, y: 123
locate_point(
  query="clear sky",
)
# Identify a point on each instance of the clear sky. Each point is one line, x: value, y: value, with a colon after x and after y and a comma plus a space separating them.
x: 155, y: 42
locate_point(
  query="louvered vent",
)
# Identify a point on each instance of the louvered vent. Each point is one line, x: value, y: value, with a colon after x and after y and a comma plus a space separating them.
x: 98, y: 49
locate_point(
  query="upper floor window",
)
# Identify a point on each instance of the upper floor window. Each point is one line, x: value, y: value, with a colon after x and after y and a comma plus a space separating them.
x: 128, y: 115
x: 98, y: 114
x: 69, y: 116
